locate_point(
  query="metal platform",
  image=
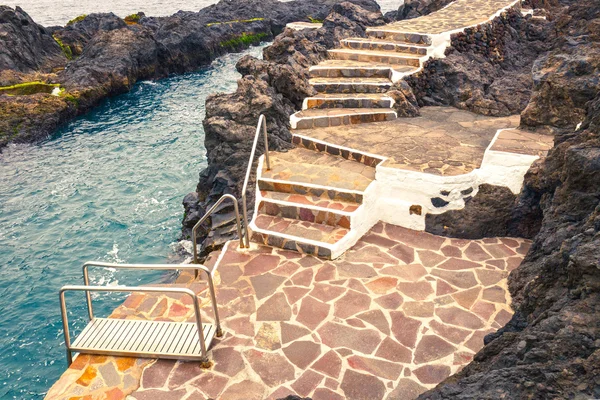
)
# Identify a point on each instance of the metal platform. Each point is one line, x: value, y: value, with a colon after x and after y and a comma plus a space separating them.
x: 139, y: 338
x: 143, y: 338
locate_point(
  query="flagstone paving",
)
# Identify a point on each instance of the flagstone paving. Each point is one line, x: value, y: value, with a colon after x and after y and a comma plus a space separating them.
x: 442, y: 141
x: 398, y: 313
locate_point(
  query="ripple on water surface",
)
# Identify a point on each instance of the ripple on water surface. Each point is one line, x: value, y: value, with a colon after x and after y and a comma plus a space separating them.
x: 107, y: 187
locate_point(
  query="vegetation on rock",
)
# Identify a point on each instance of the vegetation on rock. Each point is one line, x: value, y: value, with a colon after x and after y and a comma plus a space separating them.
x: 237, y: 21
x: 244, y: 40
x: 132, y: 19
x: 76, y: 19
x: 66, y: 49
x: 28, y: 88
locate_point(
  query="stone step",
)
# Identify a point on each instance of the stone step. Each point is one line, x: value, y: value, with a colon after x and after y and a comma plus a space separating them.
x: 389, y: 57
x: 350, y: 69
x: 305, y: 172
x: 389, y: 33
x: 351, y: 85
x: 348, y: 100
x: 303, y: 139
x: 301, y: 236
x: 303, y: 209
x: 329, y: 117
x: 384, y: 45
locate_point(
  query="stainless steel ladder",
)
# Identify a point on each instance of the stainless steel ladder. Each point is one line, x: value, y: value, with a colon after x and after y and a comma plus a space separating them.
x: 139, y: 338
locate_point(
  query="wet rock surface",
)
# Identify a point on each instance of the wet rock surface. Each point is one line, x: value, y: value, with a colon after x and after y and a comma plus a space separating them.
x: 101, y: 55
x: 274, y: 87
x: 551, y: 347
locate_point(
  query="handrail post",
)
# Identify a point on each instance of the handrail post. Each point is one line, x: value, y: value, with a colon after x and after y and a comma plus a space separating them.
x: 264, y: 125
x: 65, y: 321
x: 88, y: 296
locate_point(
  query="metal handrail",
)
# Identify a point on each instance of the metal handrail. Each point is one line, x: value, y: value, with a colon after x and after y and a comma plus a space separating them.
x: 195, y: 267
x: 262, y: 121
x: 87, y: 289
x: 208, y: 214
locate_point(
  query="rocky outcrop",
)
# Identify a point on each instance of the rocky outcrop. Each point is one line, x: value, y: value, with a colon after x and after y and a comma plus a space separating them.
x: 488, y: 68
x: 551, y: 348
x: 26, y: 46
x: 416, y: 8
x: 101, y: 55
x: 274, y: 87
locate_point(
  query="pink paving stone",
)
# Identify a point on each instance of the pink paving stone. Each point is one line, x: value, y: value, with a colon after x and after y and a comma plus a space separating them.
x: 307, y: 382
x: 225, y: 295
x: 210, y: 384
x: 159, y: 394
x: 330, y: 364
x: 380, y: 368
x: 362, y: 386
x: 460, y: 242
x: 326, y: 394
x: 458, y: 264
x: 280, y: 393
x: 484, y: 309
x: 178, y: 310
x: 290, y: 332
x: 160, y: 309
x: 286, y: 269
x: 467, y: 298
x: 432, y: 374
x: 523, y: 249
x: 303, y: 278
x: 390, y: 301
x: 337, y: 335
x: 382, y: 285
x: 442, y: 288
x: 370, y: 255
x: 462, y: 357
x: 274, y: 369
x: 403, y: 253
x: 235, y: 257
x: 419, y: 240
x: 411, y: 272
x: 394, y: 351
x: 503, y: 317
x: 156, y: 375
x: 377, y: 319
x: 460, y: 279
x: 325, y: 273
x: 510, y: 242
x: 429, y: 258
x: 490, y: 240
x: 490, y: 277
x: 312, y: 312
x: 245, y: 305
x: 475, y: 343
x: 266, y: 284
x: 294, y: 294
x: 325, y: 292
x: 416, y: 290
x: 245, y: 390
x: 350, y: 304
x: 513, y: 262
x: 432, y: 348
x: 500, y: 264
x: 229, y: 274
x: 309, y: 261
x: 494, y: 294
x: 476, y: 253
x: 459, y: 317
x: 405, y: 329
x: 275, y: 308
x: 227, y: 360
x: 332, y: 384
x: 356, y: 285
x: 350, y: 270
x: 241, y: 326
x: 261, y: 264
x: 378, y: 240
x: 406, y: 389
x: 500, y: 250
x: 450, y: 333
x: 302, y: 353
x: 452, y: 251
x: 419, y: 309
x: 355, y: 322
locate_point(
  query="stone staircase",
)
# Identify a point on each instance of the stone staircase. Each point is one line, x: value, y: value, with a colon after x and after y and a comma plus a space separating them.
x: 351, y: 85
x: 311, y: 202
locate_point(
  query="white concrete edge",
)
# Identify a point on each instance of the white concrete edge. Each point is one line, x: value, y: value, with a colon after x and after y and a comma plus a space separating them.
x: 341, y: 147
x: 357, y: 97
x: 290, y: 237
x: 310, y: 185
x: 333, y: 81
x: 383, y: 42
x: 327, y: 67
x: 391, y: 54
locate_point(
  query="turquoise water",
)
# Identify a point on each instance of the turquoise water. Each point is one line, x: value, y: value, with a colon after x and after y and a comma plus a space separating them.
x: 106, y: 187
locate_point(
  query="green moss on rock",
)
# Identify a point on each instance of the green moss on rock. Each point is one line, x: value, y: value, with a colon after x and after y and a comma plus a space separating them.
x: 66, y: 49
x: 244, y: 40
x: 77, y: 19
x: 28, y: 88
x: 315, y: 21
x: 237, y: 21
x: 132, y: 19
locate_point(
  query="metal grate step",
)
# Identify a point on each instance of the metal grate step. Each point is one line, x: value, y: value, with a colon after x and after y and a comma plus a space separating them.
x: 138, y: 338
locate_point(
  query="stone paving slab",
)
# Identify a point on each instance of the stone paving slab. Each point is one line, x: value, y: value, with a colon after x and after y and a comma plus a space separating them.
x: 401, y: 311
x: 523, y: 142
x: 442, y: 141
x: 459, y: 14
